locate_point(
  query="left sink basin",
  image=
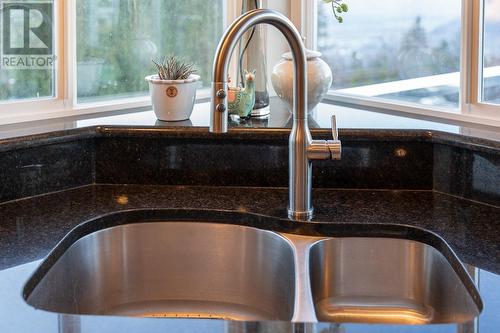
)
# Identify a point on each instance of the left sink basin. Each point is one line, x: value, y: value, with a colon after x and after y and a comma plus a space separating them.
x: 172, y: 269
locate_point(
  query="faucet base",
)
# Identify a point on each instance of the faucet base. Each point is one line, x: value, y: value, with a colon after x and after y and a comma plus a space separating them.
x: 300, y: 216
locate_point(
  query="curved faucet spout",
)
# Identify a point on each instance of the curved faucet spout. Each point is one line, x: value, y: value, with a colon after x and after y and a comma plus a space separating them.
x: 302, y: 149
x: 218, y: 120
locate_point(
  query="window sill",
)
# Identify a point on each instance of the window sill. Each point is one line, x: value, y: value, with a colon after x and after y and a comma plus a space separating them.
x: 53, y: 109
x: 57, y: 109
x: 473, y: 115
x: 14, y: 113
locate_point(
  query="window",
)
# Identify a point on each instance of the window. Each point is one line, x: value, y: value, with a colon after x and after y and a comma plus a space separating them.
x: 432, y: 57
x: 116, y: 40
x: 27, y: 68
x: 491, y: 52
x: 396, y: 49
x: 66, y: 57
x: 420, y: 57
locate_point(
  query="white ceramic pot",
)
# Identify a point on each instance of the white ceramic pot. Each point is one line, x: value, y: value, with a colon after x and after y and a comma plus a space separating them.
x: 319, y: 79
x: 173, y: 100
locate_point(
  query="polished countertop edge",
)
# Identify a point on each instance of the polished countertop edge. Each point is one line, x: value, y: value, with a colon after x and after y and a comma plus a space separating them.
x: 247, y: 134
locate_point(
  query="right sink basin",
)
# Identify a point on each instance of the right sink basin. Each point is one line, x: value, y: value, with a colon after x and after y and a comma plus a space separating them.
x: 385, y: 280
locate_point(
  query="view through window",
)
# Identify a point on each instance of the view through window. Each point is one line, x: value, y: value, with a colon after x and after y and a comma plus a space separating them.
x: 491, y: 52
x: 27, y: 61
x: 402, y: 50
x: 116, y: 40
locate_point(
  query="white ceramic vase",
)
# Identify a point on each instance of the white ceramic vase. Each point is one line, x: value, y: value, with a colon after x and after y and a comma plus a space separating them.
x: 173, y: 100
x: 319, y: 79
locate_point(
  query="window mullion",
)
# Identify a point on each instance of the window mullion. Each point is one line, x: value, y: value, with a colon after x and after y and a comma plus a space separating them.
x: 304, y: 17
x: 232, y: 11
x: 70, y: 52
x: 297, y: 14
x: 311, y: 20
x: 59, y: 23
x: 478, y: 47
x: 470, y: 54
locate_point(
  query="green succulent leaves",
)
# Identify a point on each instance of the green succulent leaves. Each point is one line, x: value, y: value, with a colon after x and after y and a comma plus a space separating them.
x: 173, y: 68
x: 338, y: 8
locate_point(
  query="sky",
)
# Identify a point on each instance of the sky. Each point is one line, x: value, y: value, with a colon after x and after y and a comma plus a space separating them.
x: 445, y: 9
x: 408, y: 8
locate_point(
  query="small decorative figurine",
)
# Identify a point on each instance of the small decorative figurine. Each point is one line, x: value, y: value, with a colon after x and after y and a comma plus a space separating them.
x: 242, y: 100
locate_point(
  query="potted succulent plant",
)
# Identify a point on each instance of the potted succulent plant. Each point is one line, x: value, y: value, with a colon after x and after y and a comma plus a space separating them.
x: 173, y: 89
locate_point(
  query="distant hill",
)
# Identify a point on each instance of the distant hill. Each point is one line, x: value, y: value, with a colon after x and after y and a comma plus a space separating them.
x: 449, y: 29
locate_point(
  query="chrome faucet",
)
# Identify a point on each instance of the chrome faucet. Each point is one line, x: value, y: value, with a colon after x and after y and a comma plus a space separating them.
x: 302, y: 148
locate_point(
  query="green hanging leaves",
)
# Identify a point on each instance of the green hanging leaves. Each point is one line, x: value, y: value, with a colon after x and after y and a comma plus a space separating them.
x: 338, y: 8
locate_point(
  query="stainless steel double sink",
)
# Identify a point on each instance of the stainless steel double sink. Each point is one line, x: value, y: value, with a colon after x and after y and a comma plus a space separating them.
x: 224, y: 271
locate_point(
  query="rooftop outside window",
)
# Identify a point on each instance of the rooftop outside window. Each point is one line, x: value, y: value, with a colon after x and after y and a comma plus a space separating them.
x: 401, y: 50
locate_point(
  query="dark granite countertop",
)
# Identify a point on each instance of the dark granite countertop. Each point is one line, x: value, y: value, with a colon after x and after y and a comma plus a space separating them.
x: 30, y: 227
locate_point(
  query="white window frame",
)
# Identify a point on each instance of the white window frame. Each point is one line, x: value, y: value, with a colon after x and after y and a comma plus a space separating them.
x: 14, y: 111
x: 471, y: 109
x: 303, y: 14
x: 64, y: 103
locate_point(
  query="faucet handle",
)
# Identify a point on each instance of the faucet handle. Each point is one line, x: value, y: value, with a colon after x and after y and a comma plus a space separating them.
x: 335, y: 132
x: 326, y: 149
x: 335, y: 146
